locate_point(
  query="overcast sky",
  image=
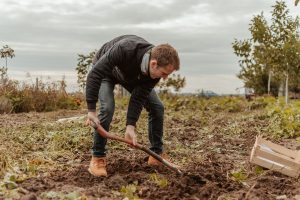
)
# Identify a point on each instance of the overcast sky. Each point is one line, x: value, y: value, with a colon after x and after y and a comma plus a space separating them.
x: 47, y: 35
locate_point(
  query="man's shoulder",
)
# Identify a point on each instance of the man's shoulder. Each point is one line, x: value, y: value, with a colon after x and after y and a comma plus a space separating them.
x: 130, y: 37
x: 131, y: 40
x: 126, y: 42
x: 133, y: 45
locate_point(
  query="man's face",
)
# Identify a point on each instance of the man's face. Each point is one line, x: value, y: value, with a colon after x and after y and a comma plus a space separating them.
x: 160, y: 71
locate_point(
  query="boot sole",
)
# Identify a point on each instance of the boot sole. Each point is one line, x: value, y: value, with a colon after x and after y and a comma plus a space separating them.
x: 89, y: 170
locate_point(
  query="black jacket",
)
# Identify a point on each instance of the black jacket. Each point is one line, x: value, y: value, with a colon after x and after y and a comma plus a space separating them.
x: 122, y: 56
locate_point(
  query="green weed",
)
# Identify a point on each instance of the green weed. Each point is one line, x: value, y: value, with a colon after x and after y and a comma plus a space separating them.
x: 75, y: 195
x: 158, y: 180
x: 129, y: 191
x: 239, y: 175
x: 258, y: 170
x: 284, y: 120
x: 9, y: 188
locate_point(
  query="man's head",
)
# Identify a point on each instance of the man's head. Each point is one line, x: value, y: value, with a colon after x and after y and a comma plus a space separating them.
x: 164, y: 61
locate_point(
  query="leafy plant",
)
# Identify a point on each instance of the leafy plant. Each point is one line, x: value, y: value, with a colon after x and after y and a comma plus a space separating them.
x: 75, y: 195
x: 239, y: 175
x: 271, y: 55
x: 284, y: 120
x: 174, y: 81
x: 83, y: 66
x: 9, y: 187
x: 258, y: 170
x: 261, y: 102
x: 158, y: 180
x: 5, y: 52
x: 129, y: 191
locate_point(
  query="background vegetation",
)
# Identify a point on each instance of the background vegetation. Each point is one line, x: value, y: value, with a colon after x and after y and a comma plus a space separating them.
x: 16, y: 96
x: 270, y: 59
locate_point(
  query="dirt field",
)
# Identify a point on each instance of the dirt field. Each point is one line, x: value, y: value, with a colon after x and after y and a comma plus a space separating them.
x: 212, y: 149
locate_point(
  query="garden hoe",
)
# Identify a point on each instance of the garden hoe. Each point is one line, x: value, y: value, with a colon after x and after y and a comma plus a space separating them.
x: 107, y: 135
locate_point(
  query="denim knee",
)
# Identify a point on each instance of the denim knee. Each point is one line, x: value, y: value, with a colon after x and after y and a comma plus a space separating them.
x: 106, y: 114
x: 157, y: 110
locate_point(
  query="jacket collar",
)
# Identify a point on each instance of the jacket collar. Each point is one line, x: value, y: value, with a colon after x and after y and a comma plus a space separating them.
x: 145, y: 63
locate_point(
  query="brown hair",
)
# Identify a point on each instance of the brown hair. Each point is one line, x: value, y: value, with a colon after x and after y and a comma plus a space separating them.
x: 165, y: 54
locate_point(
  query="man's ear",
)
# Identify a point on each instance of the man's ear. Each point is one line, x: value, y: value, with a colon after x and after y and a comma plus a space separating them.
x: 153, y: 63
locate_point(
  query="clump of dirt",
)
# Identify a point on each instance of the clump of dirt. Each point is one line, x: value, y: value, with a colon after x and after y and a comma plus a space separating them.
x: 201, y: 181
x: 206, y: 180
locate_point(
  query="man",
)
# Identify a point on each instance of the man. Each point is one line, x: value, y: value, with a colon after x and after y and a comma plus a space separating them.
x: 137, y: 65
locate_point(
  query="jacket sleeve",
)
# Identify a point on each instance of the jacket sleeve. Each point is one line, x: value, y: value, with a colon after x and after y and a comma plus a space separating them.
x: 137, y: 100
x: 102, y: 68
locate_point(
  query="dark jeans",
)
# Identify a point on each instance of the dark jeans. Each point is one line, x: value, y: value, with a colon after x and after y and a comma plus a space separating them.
x: 155, y: 110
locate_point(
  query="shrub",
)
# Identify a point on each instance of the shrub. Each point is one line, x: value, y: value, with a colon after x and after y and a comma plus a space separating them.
x: 23, y: 97
x: 284, y: 119
x: 261, y: 102
x: 6, y: 105
x: 227, y: 103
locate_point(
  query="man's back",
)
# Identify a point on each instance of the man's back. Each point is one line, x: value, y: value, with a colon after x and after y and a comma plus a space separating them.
x: 124, y: 53
x: 111, y: 43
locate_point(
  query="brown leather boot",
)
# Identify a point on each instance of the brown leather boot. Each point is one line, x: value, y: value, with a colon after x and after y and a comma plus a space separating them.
x: 153, y: 162
x: 98, y: 166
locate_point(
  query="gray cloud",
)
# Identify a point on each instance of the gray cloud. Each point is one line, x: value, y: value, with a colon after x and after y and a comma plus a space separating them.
x: 48, y: 34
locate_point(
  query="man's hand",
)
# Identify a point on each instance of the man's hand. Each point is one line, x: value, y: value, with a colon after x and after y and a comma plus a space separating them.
x: 92, y: 119
x: 130, y: 134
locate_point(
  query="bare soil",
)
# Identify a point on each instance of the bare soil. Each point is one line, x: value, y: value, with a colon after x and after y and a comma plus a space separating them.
x: 205, y: 178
